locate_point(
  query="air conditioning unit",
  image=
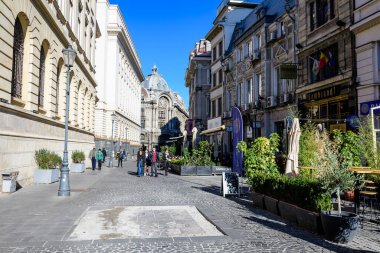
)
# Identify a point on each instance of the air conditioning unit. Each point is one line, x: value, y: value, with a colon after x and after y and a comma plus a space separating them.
x: 273, y: 35
x: 226, y: 67
x: 226, y: 115
x: 284, y: 98
x: 271, y: 101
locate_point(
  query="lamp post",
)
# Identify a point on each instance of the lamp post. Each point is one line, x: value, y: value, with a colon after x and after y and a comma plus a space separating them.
x: 151, y: 122
x: 126, y: 139
x: 69, y: 55
x: 110, y: 163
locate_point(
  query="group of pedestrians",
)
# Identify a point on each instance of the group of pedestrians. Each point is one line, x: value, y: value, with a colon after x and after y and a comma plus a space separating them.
x: 97, y: 157
x: 146, y: 159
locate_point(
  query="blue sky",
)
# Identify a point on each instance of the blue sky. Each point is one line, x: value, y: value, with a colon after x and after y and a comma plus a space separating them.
x: 165, y: 31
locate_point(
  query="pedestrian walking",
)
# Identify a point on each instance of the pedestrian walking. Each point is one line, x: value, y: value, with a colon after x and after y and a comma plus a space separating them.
x: 125, y: 155
x: 154, y: 158
x: 93, y: 158
x: 99, y: 158
x: 120, y: 158
x: 104, y: 154
x: 140, y: 163
x: 167, y: 158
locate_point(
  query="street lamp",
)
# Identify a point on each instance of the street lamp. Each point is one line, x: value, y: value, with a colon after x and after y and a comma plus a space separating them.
x: 151, y: 122
x: 126, y: 139
x: 69, y: 55
x: 110, y: 163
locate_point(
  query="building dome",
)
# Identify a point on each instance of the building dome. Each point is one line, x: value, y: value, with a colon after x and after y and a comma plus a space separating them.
x: 155, y: 81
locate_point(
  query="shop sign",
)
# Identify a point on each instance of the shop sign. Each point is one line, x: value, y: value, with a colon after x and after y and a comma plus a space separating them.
x: 213, y: 123
x: 288, y: 71
x: 325, y: 93
x: 229, y: 128
x: 342, y: 127
x: 365, y: 107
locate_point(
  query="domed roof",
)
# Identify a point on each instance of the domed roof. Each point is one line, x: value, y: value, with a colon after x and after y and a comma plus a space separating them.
x: 155, y: 81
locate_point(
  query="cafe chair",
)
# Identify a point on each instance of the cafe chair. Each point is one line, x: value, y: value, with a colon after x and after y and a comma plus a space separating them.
x: 368, y: 197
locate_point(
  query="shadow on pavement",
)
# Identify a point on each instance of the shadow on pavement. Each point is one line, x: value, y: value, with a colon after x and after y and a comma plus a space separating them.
x: 272, y: 221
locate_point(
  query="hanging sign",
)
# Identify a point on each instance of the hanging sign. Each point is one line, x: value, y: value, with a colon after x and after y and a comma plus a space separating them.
x: 288, y: 71
x: 237, y: 135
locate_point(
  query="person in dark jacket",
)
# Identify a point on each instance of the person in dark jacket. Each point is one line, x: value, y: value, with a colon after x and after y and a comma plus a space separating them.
x: 104, y: 154
x: 140, y: 163
x: 167, y: 158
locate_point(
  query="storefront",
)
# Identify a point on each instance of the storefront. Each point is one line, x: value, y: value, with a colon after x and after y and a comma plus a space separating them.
x: 330, y: 107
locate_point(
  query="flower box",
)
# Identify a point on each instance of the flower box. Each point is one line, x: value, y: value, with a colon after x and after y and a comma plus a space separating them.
x: 288, y: 211
x: 204, y: 171
x: 77, y: 167
x: 46, y: 176
x: 258, y: 199
x: 309, y: 220
x: 271, y: 204
x: 218, y: 170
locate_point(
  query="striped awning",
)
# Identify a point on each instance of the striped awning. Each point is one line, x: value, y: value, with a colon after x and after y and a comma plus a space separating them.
x: 211, y: 131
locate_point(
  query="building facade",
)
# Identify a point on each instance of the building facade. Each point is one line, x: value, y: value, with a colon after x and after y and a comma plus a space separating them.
x: 229, y: 13
x: 33, y: 79
x: 198, y: 80
x: 367, y: 48
x: 326, y: 90
x: 163, y: 112
x: 118, y: 76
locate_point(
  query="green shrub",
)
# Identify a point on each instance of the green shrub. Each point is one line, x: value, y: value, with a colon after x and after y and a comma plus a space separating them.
x: 308, y: 145
x: 301, y: 191
x: 261, y: 156
x: 78, y: 156
x: 47, y: 160
x: 202, y: 155
x: 370, y: 153
x: 172, y: 150
x: 349, y: 148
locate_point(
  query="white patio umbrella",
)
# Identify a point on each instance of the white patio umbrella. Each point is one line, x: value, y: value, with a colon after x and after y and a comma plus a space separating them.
x: 294, y: 139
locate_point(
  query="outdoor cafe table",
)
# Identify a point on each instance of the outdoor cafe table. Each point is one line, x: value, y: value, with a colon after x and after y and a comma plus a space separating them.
x: 356, y: 171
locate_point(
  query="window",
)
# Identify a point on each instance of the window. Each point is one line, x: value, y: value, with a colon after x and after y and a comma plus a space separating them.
x: 161, y: 114
x: 220, y: 46
x: 41, y: 77
x: 214, y: 80
x: 257, y: 87
x: 214, y: 54
x: 220, y: 76
x: 219, y: 106
x: 258, y: 42
x: 282, y: 29
x: 320, y: 12
x: 238, y: 94
x: 245, y: 50
x: 59, y: 69
x: 213, y: 109
x: 239, y: 55
x: 249, y: 91
x: 18, y: 55
x: 250, y: 48
x: 323, y: 64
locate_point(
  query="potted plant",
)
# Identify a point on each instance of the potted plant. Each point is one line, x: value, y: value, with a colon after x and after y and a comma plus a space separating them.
x: 202, y: 159
x: 48, y: 166
x: 78, y: 165
x: 333, y: 173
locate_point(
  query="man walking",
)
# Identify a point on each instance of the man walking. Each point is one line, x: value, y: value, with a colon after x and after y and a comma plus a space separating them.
x: 120, y: 158
x: 154, y: 159
x: 104, y: 154
x: 93, y: 158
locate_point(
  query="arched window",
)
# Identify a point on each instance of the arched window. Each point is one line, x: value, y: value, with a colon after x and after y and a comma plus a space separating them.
x: 18, y: 54
x: 42, y: 77
x: 59, y: 70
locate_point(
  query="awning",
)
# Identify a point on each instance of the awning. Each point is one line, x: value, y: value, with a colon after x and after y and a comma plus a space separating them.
x: 134, y: 144
x: 214, y: 130
x: 176, y: 138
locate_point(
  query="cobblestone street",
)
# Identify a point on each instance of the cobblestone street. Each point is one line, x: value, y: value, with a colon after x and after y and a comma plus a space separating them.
x: 35, y: 220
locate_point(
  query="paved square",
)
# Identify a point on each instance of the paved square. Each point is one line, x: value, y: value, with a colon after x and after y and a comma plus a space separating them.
x: 143, y: 222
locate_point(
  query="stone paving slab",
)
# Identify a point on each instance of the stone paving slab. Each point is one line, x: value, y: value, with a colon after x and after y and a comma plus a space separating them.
x: 36, y: 220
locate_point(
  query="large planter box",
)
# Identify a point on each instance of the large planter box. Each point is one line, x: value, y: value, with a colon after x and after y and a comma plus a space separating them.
x: 288, y: 211
x: 309, y: 220
x: 204, y: 171
x: 271, y: 204
x: 258, y: 199
x: 176, y: 168
x: 46, y: 176
x: 77, y: 167
x: 188, y: 170
x: 340, y: 229
x: 218, y: 170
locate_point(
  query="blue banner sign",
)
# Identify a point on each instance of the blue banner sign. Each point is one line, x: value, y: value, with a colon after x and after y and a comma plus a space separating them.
x: 365, y: 107
x: 237, y: 135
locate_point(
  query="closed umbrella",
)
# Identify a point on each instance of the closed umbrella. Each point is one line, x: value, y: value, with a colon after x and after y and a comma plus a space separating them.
x: 294, y: 138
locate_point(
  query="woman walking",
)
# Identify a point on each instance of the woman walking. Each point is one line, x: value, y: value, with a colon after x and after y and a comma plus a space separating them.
x: 140, y: 162
x: 99, y: 158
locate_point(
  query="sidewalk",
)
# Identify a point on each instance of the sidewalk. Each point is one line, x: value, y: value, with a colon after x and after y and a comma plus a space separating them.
x: 35, y: 219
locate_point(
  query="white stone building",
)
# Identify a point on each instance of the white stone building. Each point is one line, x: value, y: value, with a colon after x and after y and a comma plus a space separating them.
x: 164, y: 113
x: 33, y: 79
x: 366, y: 29
x: 118, y: 76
